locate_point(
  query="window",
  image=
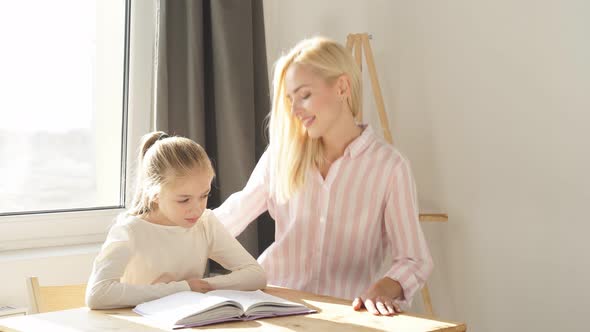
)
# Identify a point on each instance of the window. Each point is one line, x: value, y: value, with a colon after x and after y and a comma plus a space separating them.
x: 65, y: 141
x: 63, y: 105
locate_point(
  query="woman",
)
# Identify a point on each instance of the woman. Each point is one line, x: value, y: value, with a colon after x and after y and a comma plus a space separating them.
x: 343, y: 200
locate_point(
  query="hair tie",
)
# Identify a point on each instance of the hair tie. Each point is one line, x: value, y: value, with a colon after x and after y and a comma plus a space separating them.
x: 162, y: 136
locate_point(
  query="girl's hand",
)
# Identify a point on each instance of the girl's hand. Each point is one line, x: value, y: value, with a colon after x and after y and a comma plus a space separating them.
x: 199, y: 285
x: 164, y: 278
x: 379, y: 298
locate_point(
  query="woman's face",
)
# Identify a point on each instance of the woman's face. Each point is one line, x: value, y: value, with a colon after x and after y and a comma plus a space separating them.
x: 317, y: 104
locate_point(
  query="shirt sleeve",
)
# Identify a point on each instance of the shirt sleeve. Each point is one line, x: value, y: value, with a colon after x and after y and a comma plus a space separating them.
x: 106, y: 291
x: 246, y: 273
x: 412, y: 263
x: 242, y: 207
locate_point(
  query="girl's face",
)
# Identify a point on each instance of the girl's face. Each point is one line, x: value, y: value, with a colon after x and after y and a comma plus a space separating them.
x: 315, y: 103
x: 183, y: 200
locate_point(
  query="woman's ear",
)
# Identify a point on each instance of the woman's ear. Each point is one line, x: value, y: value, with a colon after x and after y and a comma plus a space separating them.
x: 343, y: 86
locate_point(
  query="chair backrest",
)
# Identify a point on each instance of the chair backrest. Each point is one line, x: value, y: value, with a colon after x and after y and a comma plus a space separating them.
x: 54, y: 298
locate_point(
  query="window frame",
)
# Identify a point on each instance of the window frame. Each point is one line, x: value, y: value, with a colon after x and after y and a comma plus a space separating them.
x: 75, y: 227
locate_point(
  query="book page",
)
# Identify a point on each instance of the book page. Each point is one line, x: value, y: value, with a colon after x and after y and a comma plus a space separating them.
x: 251, y: 299
x: 173, y: 308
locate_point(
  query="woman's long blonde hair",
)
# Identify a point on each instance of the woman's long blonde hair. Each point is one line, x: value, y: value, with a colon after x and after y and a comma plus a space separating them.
x: 293, y: 151
x: 161, y: 158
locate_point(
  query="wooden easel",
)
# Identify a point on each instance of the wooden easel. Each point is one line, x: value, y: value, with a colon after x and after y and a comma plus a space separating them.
x: 356, y: 43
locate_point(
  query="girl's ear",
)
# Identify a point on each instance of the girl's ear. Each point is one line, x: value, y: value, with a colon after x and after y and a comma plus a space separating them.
x: 157, y: 198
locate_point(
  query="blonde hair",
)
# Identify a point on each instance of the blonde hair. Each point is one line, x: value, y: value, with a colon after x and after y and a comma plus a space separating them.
x: 293, y: 151
x: 161, y: 159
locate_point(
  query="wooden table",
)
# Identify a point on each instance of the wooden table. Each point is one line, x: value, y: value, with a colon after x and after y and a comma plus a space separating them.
x: 333, y: 315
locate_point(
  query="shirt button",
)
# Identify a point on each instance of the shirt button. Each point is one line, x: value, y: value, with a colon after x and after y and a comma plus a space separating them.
x: 322, y: 220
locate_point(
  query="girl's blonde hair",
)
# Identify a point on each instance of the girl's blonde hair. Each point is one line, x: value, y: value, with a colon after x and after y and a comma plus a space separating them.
x: 161, y: 159
x: 293, y: 151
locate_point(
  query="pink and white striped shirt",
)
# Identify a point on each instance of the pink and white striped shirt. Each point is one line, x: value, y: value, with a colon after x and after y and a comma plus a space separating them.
x: 337, y: 236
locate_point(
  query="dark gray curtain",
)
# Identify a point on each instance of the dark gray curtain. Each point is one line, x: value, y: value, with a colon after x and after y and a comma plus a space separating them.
x: 211, y: 85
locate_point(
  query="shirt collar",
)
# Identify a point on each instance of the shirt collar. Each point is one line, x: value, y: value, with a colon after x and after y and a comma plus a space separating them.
x: 361, y: 143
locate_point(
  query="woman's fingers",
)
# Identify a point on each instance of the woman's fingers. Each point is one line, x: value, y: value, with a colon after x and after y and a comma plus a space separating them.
x: 387, y: 306
x: 381, y: 305
x: 357, y: 303
x: 370, y: 305
x: 398, y: 309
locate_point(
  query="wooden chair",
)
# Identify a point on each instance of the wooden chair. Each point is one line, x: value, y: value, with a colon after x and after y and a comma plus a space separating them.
x: 54, y: 298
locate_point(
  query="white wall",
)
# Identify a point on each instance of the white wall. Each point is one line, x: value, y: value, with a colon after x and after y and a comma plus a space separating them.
x: 490, y: 101
x: 56, y: 266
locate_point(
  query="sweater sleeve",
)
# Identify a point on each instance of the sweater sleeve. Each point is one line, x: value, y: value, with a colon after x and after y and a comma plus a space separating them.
x: 246, y: 273
x: 105, y: 289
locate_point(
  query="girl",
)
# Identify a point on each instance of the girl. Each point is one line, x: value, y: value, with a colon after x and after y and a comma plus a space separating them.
x: 343, y: 200
x: 161, y: 244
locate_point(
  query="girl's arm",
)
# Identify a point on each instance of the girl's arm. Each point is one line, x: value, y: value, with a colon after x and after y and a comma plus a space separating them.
x: 242, y: 207
x: 105, y: 291
x: 246, y: 273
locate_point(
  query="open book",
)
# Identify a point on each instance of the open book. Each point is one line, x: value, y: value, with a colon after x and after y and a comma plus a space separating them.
x: 189, y: 309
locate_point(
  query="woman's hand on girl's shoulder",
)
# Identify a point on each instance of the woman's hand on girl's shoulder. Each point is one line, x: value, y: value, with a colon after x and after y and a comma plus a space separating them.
x: 199, y: 285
